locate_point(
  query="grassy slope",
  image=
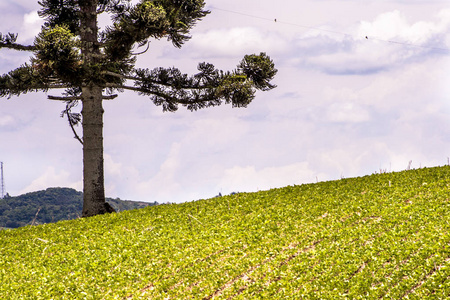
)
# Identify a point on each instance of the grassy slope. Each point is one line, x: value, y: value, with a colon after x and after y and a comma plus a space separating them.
x: 371, y: 237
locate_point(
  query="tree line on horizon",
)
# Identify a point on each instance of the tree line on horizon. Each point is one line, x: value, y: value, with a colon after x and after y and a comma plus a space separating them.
x: 52, y: 205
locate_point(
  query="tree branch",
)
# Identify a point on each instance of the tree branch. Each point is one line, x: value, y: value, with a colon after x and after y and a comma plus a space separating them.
x: 73, y: 118
x: 131, y: 88
x: 119, y: 75
x: 157, y: 82
x: 63, y: 98
x: 55, y: 86
x: 142, y: 52
x: 57, y: 98
x: 109, y: 97
x: 73, y: 129
x: 9, y: 41
x: 17, y: 47
x: 168, y: 97
x: 27, y: 79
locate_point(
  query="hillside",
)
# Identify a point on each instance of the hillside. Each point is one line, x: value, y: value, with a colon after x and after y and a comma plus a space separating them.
x: 383, y: 236
x: 51, y: 205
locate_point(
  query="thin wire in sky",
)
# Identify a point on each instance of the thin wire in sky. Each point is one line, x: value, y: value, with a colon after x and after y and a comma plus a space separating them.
x: 275, y: 20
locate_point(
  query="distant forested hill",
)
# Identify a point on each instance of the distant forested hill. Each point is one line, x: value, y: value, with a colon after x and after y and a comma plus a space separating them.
x: 51, y: 205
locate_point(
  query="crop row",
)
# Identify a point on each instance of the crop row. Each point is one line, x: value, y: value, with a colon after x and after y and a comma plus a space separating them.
x: 374, y: 237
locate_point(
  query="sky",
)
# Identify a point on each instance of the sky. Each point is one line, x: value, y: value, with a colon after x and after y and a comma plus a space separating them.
x: 362, y: 87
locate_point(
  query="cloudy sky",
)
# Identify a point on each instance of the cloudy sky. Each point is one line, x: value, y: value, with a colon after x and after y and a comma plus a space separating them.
x: 345, y: 105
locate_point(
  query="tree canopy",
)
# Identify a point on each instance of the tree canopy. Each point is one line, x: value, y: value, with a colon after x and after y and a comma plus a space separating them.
x: 71, y: 53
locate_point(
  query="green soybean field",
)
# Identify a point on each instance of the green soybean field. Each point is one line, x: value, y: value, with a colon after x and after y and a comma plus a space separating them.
x: 384, y: 236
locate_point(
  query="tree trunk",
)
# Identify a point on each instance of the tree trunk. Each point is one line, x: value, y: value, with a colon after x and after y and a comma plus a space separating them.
x: 94, y: 202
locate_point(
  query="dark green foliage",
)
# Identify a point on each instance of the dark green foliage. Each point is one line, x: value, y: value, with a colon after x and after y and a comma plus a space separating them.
x: 260, y: 69
x: 53, y: 204
x: 58, y: 62
x: 182, y: 16
x: 151, y: 19
x: 8, y: 39
x: 122, y: 205
x: 21, y: 81
x: 60, y: 13
x: 135, y: 24
x: 168, y: 87
x: 57, y: 55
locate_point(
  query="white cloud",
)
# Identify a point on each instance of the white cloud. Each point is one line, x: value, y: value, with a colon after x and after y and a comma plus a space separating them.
x: 6, y: 121
x: 162, y: 186
x: 112, y: 168
x: 342, y: 105
x: 32, y: 18
x: 387, y: 42
x: 313, y: 124
x: 345, y: 127
x: 347, y: 112
x: 248, y: 178
x: 395, y: 26
x: 229, y: 42
x: 31, y: 26
x: 52, y: 178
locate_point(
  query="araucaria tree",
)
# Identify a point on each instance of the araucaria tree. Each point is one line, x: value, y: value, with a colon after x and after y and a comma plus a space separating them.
x: 71, y: 53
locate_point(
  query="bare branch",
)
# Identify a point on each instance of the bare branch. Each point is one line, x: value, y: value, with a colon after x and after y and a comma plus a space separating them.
x: 109, y: 97
x: 73, y: 118
x: 63, y: 98
x: 73, y: 130
x: 148, y: 46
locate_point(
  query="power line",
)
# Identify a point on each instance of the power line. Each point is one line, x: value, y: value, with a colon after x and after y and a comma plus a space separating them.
x: 275, y: 20
x: 2, y: 181
x: 281, y: 22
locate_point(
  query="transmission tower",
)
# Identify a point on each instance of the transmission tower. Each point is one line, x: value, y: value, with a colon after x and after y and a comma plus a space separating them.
x: 3, y: 182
